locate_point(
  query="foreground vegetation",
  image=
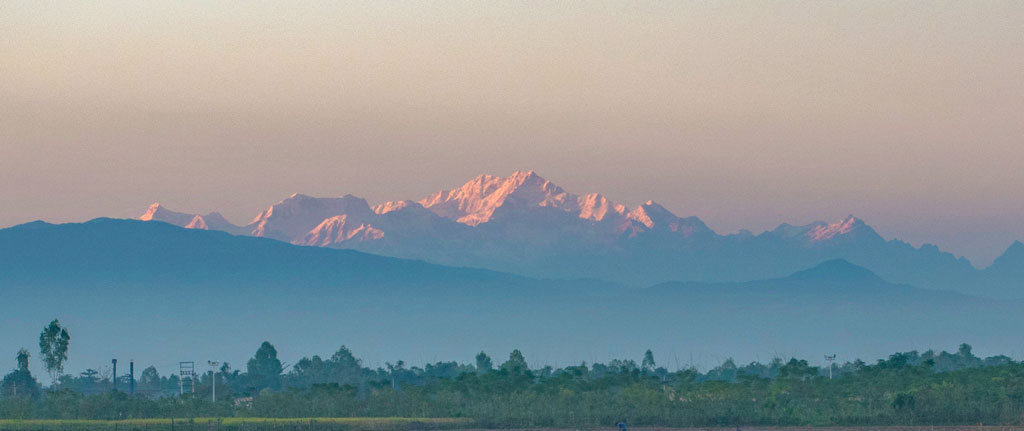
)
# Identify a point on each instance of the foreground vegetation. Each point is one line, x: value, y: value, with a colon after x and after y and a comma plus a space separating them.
x: 905, y: 389
x: 235, y: 424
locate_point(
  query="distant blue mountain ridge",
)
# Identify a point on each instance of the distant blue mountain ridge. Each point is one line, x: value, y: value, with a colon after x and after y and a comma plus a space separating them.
x: 159, y: 293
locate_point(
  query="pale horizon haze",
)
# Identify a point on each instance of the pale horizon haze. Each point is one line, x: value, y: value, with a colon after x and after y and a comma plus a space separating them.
x: 907, y: 114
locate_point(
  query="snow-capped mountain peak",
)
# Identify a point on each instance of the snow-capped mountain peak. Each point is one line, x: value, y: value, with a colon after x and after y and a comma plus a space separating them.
x: 337, y: 229
x: 653, y: 216
x: 160, y: 213
x: 474, y: 202
x: 290, y: 219
x: 198, y: 222
x: 526, y: 224
x: 595, y: 207
x: 390, y: 206
x: 847, y: 226
x: 209, y: 221
x: 819, y: 232
x: 650, y: 214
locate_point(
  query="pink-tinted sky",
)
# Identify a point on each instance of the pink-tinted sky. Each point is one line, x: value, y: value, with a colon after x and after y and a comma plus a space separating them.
x: 746, y: 114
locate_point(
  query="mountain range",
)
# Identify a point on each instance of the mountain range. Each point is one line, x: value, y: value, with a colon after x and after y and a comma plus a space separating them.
x: 160, y: 293
x: 527, y: 225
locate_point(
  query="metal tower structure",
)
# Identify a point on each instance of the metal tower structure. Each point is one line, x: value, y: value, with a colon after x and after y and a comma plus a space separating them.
x: 187, y: 370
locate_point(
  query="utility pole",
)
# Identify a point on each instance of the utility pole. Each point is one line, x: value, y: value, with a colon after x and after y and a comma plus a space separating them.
x: 830, y: 358
x: 214, y: 365
x: 131, y: 377
x: 114, y: 379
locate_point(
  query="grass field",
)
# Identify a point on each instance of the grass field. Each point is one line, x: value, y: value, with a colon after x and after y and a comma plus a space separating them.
x: 383, y: 424
x: 240, y: 424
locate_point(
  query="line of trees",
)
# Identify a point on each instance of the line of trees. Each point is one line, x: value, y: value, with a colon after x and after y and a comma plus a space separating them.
x: 909, y: 388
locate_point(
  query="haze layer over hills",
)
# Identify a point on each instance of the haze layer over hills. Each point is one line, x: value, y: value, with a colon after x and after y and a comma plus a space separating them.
x: 527, y: 225
x: 160, y: 293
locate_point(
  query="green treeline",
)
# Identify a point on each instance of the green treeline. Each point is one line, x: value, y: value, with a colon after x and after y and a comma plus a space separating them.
x: 905, y: 389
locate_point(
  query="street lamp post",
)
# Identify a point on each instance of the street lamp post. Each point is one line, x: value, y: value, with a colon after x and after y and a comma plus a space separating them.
x: 214, y: 365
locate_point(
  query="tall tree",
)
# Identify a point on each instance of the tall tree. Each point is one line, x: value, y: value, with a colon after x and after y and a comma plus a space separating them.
x: 23, y: 356
x: 516, y: 363
x: 264, y: 368
x: 344, y: 367
x: 309, y: 371
x: 149, y: 381
x: 483, y: 362
x: 648, y: 364
x: 395, y: 370
x: 53, y: 346
x: 20, y: 383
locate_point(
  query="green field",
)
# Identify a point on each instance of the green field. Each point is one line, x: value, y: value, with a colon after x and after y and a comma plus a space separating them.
x: 240, y: 424
x: 386, y: 424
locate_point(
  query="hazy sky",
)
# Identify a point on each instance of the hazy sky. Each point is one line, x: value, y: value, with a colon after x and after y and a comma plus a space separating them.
x: 746, y: 114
